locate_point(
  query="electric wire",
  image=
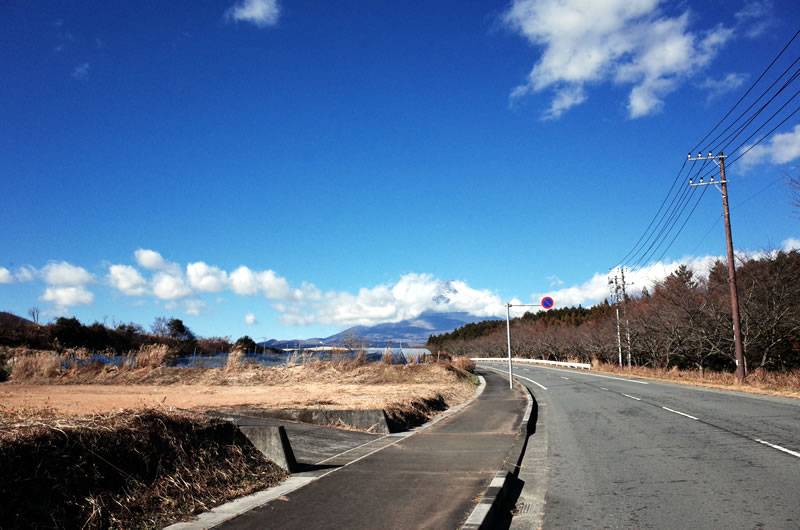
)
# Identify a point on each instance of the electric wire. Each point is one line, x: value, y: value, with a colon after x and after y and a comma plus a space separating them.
x: 697, y: 202
x: 753, y: 104
x: 664, y: 221
x: 767, y: 69
x: 663, y: 202
x: 668, y: 220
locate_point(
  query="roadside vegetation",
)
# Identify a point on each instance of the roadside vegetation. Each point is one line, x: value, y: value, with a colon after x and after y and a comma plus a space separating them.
x: 124, y: 469
x: 141, y: 464
x: 679, y: 328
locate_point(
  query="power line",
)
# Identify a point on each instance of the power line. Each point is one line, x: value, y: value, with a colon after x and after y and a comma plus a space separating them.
x: 671, y: 217
x: 767, y: 69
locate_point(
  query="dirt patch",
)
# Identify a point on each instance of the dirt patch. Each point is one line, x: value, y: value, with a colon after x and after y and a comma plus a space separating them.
x: 142, y: 469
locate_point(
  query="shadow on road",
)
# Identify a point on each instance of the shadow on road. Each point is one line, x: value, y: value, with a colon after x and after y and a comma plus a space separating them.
x: 514, y: 486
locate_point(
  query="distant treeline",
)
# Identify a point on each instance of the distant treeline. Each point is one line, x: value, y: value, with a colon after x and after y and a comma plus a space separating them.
x: 683, y: 321
x: 66, y: 333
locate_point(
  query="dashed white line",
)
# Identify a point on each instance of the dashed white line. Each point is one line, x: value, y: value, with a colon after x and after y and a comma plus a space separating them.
x: 632, y: 397
x: 679, y: 412
x: 567, y: 378
x: 779, y: 448
x: 603, y: 388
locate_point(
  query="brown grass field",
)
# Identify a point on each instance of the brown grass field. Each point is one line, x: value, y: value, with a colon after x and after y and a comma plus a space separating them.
x: 317, y: 385
x: 130, y: 447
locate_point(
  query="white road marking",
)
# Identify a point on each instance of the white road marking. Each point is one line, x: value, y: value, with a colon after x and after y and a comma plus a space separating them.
x: 567, y: 378
x: 678, y: 412
x: 538, y: 367
x: 352, y: 449
x: 632, y: 397
x: 779, y: 448
x: 603, y: 388
x: 520, y: 376
x: 532, y: 381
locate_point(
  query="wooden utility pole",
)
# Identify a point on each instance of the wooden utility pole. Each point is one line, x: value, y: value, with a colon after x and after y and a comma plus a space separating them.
x: 616, y: 307
x: 723, y: 187
x: 625, y: 314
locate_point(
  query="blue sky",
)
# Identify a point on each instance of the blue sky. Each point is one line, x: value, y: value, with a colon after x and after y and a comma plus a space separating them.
x: 291, y: 168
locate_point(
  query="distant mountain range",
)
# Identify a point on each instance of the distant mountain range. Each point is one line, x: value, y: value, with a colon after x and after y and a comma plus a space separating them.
x: 406, y: 332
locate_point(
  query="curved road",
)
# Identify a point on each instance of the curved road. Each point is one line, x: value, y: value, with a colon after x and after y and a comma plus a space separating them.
x: 616, y: 452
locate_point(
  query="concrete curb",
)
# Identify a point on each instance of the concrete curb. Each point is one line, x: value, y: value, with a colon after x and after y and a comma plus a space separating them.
x: 273, y: 443
x: 489, y: 511
x: 362, y: 420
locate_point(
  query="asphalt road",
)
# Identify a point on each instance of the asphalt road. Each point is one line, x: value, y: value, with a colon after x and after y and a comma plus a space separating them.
x: 615, y: 452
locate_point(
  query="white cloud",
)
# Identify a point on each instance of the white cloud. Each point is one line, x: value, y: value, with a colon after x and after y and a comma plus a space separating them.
x: 5, y: 275
x: 127, y: 279
x: 756, y: 17
x: 779, y: 149
x: 250, y: 319
x: 168, y: 286
x: 244, y: 281
x: 596, y: 289
x: 195, y: 307
x: 791, y: 244
x: 274, y: 286
x: 716, y: 88
x: 150, y: 259
x: 80, y: 72
x: 26, y: 273
x: 206, y: 278
x: 63, y: 273
x: 625, y: 41
x: 68, y: 296
x: 412, y: 295
x: 262, y: 13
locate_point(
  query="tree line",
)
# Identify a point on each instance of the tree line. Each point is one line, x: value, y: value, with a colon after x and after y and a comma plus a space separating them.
x: 118, y: 339
x: 683, y: 321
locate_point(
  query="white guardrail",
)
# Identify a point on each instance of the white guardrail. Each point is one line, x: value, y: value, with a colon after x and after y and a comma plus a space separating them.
x: 584, y: 366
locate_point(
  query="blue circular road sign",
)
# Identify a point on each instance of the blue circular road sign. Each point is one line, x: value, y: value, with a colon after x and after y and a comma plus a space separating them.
x: 547, y: 302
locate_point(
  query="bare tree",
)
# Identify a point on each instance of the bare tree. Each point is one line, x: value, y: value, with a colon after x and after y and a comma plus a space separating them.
x: 794, y: 189
x: 33, y: 312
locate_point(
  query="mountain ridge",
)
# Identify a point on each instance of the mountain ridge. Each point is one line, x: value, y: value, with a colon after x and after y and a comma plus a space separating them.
x: 411, y: 332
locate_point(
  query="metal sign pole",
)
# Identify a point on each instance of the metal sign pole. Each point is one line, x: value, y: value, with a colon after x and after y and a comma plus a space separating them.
x: 508, y: 334
x: 547, y: 303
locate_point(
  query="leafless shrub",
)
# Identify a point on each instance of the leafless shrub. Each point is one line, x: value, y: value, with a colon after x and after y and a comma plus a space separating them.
x: 464, y: 363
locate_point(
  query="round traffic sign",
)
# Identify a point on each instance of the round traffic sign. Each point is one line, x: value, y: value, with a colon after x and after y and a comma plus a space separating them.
x: 547, y: 302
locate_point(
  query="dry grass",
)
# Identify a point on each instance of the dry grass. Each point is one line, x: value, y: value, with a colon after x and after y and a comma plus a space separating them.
x: 758, y: 381
x: 123, y: 470
x: 235, y: 359
x: 324, y: 385
x: 464, y: 363
x: 151, y: 355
